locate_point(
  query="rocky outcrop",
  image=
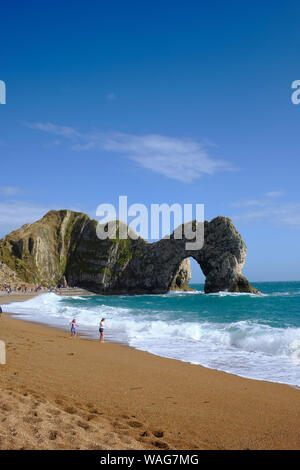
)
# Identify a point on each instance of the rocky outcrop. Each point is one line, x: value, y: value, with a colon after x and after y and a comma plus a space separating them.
x: 64, y: 245
x: 39, y: 252
x: 183, y: 276
x: 222, y: 258
x: 8, y: 276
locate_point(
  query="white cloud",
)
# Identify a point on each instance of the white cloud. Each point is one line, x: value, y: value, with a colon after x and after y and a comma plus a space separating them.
x: 250, y: 203
x: 268, y: 212
x: 63, y: 131
x: 10, y: 190
x: 267, y: 201
x: 14, y: 214
x: 181, y: 159
x: 274, y: 194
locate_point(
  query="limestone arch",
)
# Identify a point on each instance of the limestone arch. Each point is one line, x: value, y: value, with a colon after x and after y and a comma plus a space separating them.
x: 221, y: 259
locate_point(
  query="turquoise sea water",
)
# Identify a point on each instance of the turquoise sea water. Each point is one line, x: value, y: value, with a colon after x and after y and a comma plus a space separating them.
x: 256, y: 336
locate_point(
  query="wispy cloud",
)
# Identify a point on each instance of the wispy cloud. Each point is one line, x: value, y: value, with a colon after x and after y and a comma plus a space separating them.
x: 250, y: 203
x: 274, y: 194
x: 10, y: 190
x: 268, y: 211
x: 20, y: 212
x: 63, y: 131
x: 182, y: 159
x: 14, y: 214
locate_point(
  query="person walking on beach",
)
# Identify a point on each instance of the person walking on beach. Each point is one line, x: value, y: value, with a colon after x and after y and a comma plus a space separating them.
x: 101, y: 330
x: 73, y: 327
x: 1, y: 313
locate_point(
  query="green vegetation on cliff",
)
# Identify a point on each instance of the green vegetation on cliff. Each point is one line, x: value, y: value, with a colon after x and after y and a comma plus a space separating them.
x: 64, y: 244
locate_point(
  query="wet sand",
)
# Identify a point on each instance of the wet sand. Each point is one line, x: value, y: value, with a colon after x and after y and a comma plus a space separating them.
x: 58, y: 392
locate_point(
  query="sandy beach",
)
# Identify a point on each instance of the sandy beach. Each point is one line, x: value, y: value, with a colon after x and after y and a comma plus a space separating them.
x: 64, y: 393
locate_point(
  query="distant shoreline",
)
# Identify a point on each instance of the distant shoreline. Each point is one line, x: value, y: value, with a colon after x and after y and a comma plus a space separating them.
x: 22, y: 296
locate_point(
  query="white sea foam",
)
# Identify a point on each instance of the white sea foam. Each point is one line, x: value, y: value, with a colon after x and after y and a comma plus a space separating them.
x: 247, y: 348
x: 236, y: 294
x: 188, y: 292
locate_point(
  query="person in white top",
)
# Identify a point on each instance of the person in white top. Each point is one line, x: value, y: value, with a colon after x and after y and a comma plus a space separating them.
x: 101, y: 330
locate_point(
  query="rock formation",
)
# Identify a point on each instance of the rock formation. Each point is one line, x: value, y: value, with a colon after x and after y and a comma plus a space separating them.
x: 8, y: 276
x: 64, y: 245
x: 183, y: 276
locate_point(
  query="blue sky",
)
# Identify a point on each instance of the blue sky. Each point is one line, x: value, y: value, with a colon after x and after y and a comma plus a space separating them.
x: 161, y: 101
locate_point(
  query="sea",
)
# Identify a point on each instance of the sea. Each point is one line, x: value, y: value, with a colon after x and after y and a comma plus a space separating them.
x: 249, y: 335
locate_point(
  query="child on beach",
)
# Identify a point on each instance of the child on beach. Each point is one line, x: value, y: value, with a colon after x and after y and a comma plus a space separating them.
x: 101, y: 330
x: 73, y: 327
